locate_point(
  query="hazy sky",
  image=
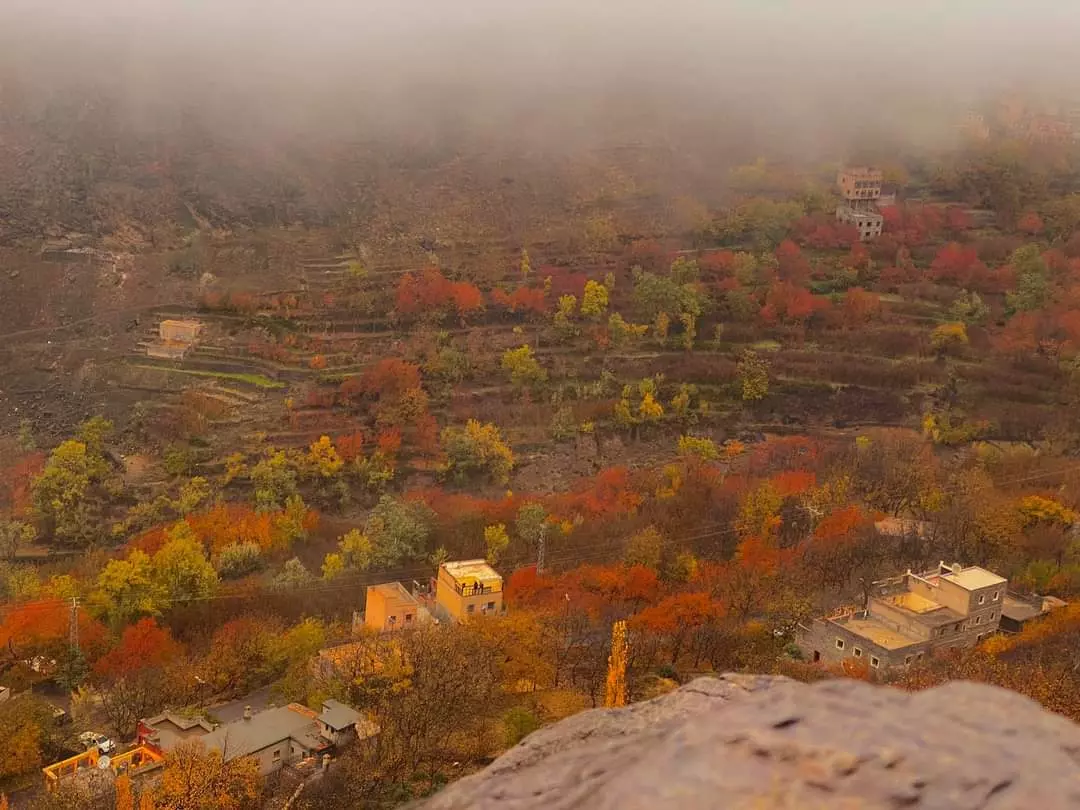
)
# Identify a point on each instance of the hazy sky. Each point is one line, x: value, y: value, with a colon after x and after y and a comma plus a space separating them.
x: 291, y: 63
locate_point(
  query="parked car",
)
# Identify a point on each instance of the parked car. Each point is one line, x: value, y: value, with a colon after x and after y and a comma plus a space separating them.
x: 91, y: 739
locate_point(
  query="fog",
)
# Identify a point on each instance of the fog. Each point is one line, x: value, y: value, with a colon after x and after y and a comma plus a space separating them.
x: 806, y: 76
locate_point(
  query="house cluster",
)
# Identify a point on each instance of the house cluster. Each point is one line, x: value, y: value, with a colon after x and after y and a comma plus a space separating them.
x: 908, y: 617
x: 275, y: 737
x: 462, y: 589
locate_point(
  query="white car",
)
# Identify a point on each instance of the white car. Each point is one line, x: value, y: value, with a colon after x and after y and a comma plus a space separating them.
x: 91, y: 739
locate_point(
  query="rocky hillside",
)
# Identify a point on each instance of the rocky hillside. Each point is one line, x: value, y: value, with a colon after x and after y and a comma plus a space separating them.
x: 764, y: 742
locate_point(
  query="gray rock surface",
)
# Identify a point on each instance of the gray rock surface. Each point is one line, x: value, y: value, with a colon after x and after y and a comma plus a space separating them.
x: 764, y: 743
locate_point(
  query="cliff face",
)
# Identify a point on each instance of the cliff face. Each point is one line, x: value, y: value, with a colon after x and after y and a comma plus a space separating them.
x: 760, y: 742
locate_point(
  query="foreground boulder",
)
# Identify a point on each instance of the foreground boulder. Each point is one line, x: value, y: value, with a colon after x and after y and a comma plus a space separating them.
x: 761, y: 742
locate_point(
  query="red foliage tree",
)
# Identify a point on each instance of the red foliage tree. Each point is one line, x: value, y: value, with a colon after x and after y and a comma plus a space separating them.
x: 792, y: 266
x: 43, y: 628
x: 1031, y: 224
x: 143, y: 645
x: 958, y: 265
x: 957, y: 220
x: 860, y: 307
x: 786, y: 303
x: 390, y: 378
x: 432, y: 293
x: 350, y: 446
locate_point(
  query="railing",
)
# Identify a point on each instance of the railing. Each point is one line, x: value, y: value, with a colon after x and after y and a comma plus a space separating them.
x: 474, y: 590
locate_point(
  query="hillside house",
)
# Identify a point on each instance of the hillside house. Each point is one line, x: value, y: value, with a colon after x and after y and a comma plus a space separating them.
x: 910, y: 616
x: 860, y: 192
x: 286, y: 735
x: 165, y: 730
x: 174, y: 339
x: 390, y: 607
x: 468, y: 588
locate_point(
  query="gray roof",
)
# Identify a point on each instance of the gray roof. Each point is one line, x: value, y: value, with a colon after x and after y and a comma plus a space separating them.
x: 337, y: 715
x: 243, y: 737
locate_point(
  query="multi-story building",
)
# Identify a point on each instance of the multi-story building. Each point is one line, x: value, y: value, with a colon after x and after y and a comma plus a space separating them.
x: 390, y: 606
x: 860, y: 191
x: 468, y: 588
x: 910, y: 616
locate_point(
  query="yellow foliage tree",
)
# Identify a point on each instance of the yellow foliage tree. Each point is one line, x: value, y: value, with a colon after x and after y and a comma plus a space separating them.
x: 125, y: 800
x: 198, y: 779
x: 496, y: 540
x: 1037, y: 508
x: 323, y: 458
x: 948, y: 335
x: 615, y: 688
x: 594, y: 301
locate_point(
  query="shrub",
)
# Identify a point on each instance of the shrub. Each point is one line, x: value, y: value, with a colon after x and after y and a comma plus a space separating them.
x: 239, y: 560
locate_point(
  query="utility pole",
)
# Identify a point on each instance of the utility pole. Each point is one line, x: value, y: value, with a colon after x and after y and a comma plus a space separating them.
x: 74, y: 630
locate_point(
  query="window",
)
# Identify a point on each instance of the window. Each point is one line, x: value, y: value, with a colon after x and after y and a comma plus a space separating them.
x: 982, y: 598
x: 907, y: 660
x: 959, y: 625
x: 277, y: 755
x: 978, y: 638
x: 919, y: 657
x: 490, y: 605
x: 993, y: 615
x: 408, y: 618
x: 978, y: 620
x: 858, y: 652
x: 875, y: 662
x: 839, y: 644
x: 996, y: 595
x: 471, y: 609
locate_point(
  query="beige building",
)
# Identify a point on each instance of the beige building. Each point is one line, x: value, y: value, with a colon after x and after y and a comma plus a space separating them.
x: 468, y: 588
x: 860, y: 189
x: 909, y: 616
x: 390, y: 606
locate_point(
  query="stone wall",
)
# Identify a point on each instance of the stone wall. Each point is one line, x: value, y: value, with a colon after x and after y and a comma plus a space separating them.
x: 744, y: 742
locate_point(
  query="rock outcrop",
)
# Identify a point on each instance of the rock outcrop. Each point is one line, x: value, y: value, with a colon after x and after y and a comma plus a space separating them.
x: 763, y: 743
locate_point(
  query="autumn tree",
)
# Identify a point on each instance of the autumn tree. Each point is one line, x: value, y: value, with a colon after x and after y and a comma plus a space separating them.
x: 496, y: 541
x: 594, y: 301
x: 398, y: 532
x: 64, y: 493
x: 753, y: 376
x: 244, y: 654
x: 195, y: 778
x: 674, y: 620
x: 138, y: 676
x: 478, y: 448
x: 523, y: 367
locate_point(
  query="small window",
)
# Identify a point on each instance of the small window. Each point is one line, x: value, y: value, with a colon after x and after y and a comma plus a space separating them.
x: 978, y: 620
x: 993, y: 615
x: 959, y: 626
x: 982, y: 598
x: 858, y: 652
x: 996, y: 595
x: 408, y: 618
x: 875, y: 662
x: 839, y: 644
x: 979, y: 638
x: 490, y: 605
x: 907, y: 660
x: 471, y: 609
x: 277, y: 755
x: 918, y: 657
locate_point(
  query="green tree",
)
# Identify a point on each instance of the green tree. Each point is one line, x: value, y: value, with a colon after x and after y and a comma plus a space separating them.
x: 13, y: 534
x: 698, y: 447
x: 94, y: 433
x: 398, y: 531
x: 645, y: 548
x: 293, y: 575
x: 496, y: 541
x: 523, y: 367
x: 753, y: 376
x: 354, y: 553
x: 1032, y: 280
x: 969, y: 308
x: 180, y: 567
x: 274, y: 480
x: 531, y: 523
x: 239, y: 560
x: 525, y: 265
x: 594, y: 302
